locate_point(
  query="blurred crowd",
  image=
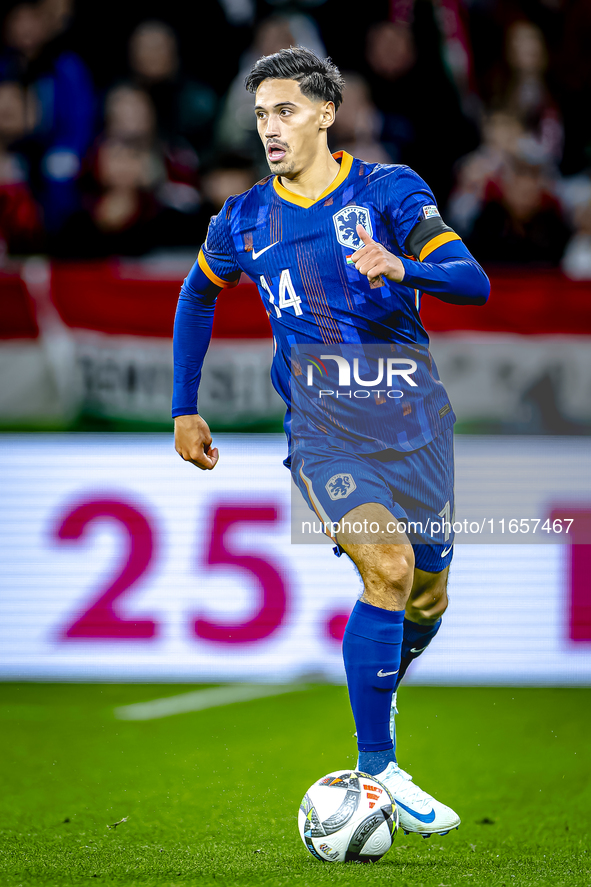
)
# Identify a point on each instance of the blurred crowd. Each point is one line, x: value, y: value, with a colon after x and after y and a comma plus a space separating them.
x: 122, y: 132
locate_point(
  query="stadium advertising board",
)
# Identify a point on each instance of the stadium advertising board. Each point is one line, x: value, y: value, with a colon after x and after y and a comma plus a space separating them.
x: 122, y: 562
x: 517, y: 367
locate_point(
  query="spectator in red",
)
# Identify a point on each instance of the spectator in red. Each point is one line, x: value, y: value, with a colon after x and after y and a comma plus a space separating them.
x: 501, y: 132
x: 130, y: 116
x: 135, y: 198
x: 20, y: 217
x: 521, y: 220
x: 123, y: 218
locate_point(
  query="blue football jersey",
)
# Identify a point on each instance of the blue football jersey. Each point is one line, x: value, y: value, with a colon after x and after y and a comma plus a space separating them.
x: 296, y: 250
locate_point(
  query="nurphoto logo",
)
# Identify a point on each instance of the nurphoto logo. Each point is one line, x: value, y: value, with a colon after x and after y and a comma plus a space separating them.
x: 388, y: 371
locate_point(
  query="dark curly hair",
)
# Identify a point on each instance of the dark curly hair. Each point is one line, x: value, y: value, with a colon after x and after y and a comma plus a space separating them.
x: 319, y: 79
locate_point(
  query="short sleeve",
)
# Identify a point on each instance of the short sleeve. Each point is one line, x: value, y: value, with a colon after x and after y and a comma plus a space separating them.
x: 217, y: 256
x: 418, y: 226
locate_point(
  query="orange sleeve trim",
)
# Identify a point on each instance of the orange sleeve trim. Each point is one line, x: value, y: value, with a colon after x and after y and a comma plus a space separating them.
x: 437, y: 241
x: 213, y: 277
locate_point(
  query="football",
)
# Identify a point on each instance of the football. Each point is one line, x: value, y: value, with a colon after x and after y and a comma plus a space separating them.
x: 348, y: 816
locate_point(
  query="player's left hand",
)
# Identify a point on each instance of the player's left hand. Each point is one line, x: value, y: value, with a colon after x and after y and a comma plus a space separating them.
x: 374, y: 261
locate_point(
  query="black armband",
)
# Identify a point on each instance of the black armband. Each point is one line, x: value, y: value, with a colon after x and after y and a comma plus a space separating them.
x: 427, y: 236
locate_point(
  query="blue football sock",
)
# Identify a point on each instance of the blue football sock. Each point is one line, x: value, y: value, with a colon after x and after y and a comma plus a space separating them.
x: 416, y: 638
x: 371, y: 650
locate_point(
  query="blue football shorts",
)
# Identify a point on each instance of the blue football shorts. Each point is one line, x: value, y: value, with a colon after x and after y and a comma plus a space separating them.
x: 417, y: 488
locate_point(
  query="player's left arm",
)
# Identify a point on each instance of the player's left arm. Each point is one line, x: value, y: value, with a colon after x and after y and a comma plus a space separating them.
x: 452, y: 274
x: 434, y: 259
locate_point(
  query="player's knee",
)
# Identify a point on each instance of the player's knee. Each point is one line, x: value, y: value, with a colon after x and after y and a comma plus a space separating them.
x: 389, y: 577
x: 427, y: 605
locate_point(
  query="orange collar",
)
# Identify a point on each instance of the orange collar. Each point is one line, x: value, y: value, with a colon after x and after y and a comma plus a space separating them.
x: 346, y: 164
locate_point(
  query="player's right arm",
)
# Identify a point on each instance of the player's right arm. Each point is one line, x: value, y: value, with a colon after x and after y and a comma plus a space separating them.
x: 214, y: 270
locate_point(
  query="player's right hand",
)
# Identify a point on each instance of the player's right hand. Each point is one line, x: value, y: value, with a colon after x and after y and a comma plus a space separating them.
x: 192, y: 441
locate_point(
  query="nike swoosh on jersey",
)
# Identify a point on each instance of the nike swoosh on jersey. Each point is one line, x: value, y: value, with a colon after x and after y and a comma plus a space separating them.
x: 422, y: 817
x: 420, y: 650
x: 446, y: 551
x: 255, y: 255
x: 384, y: 674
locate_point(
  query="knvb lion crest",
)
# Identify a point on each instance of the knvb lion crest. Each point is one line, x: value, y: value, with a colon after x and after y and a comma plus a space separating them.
x: 340, y: 486
x: 346, y: 221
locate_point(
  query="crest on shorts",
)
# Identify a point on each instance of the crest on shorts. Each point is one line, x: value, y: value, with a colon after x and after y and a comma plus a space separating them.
x: 346, y: 221
x: 340, y: 486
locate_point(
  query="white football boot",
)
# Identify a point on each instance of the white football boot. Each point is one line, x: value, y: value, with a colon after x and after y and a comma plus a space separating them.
x: 419, y: 812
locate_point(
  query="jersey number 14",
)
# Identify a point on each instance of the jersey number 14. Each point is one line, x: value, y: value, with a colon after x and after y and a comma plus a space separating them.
x: 288, y: 298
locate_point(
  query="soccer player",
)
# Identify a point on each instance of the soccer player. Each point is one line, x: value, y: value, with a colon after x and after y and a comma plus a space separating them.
x: 341, y: 251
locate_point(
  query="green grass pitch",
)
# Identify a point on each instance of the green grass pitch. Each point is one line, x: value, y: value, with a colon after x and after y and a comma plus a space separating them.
x: 211, y: 797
